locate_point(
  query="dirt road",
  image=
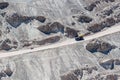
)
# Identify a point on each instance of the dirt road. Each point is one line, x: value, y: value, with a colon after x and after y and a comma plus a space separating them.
x: 111, y: 30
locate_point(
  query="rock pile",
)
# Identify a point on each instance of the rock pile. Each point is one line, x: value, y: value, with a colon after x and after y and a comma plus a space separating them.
x: 90, y: 7
x: 99, y: 26
x: 84, y: 19
x: 71, y: 33
x: 117, y: 62
x: 109, y: 0
x: 52, y: 28
x: 77, y: 74
x: 15, y: 20
x: 69, y: 76
x: 99, y: 46
x: 48, y: 40
x: 73, y: 75
x: 111, y: 77
x: 56, y: 27
x: 107, y: 12
x: 105, y: 77
x: 94, y: 4
x: 95, y: 28
x: 7, y: 72
x: 4, y: 5
x: 42, y: 19
x: 8, y: 45
x: 109, y: 64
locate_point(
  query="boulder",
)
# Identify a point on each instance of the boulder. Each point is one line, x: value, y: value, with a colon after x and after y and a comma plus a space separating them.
x: 4, y: 5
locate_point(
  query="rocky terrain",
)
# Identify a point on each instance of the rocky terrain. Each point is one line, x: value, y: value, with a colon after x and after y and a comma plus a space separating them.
x: 32, y: 23
x: 71, y: 62
x: 35, y: 21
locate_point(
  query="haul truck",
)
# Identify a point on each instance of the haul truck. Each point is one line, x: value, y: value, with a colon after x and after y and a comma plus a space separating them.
x: 80, y: 36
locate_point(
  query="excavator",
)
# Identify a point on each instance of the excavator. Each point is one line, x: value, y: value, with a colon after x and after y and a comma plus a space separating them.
x: 80, y: 36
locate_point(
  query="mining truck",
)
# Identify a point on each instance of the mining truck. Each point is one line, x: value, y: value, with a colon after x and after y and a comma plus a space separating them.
x: 80, y: 36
